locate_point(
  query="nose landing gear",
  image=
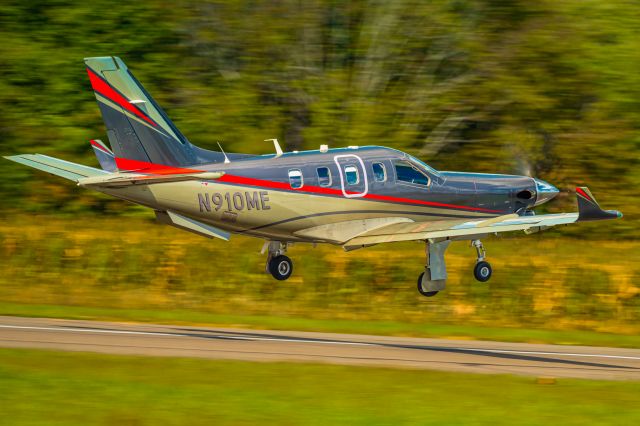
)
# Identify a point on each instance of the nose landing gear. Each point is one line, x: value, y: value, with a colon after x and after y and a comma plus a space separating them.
x: 482, y: 271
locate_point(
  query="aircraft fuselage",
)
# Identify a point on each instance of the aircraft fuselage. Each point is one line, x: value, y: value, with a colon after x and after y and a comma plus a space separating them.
x: 276, y: 197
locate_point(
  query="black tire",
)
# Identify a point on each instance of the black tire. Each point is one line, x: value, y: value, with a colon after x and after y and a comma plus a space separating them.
x: 482, y: 271
x: 281, y: 267
x: 422, y: 292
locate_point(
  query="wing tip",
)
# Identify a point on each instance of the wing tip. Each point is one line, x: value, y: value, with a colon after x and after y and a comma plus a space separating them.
x: 589, y: 209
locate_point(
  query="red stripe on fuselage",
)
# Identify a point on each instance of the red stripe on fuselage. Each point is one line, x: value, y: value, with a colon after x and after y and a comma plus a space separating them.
x: 124, y: 164
x: 159, y: 169
x: 104, y: 89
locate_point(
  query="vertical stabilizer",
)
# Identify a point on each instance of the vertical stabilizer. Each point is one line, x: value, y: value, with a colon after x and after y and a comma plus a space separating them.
x: 138, y: 129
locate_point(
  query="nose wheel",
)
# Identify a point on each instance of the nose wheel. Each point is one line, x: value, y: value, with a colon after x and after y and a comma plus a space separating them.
x: 482, y: 271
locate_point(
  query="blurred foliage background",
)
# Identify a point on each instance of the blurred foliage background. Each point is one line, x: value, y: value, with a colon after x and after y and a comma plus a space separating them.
x: 545, y: 88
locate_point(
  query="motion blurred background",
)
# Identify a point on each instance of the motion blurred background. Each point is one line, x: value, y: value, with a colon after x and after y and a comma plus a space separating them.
x: 546, y: 88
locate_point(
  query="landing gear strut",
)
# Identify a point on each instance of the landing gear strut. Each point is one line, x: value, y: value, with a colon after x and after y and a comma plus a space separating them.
x: 278, y: 265
x: 434, y: 277
x: 482, y: 271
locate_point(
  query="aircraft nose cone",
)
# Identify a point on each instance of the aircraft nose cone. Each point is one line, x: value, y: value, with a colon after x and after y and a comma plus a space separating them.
x: 545, y: 191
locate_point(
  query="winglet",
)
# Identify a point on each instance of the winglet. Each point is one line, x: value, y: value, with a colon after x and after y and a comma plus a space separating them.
x: 589, y: 209
x: 105, y: 156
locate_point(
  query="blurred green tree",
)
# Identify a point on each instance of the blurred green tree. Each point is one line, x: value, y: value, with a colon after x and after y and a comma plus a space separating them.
x: 547, y: 88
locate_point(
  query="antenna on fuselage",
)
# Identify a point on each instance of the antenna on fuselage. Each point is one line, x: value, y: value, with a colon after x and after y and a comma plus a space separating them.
x: 226, y: 159
x: 276, y: 145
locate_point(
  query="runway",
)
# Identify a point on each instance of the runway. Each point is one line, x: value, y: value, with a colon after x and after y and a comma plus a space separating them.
x: 271, y: 346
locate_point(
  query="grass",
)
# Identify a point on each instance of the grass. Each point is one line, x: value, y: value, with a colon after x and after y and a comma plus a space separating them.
x: 391, y: 328
x: 61, y: 388
x: 544, y: 288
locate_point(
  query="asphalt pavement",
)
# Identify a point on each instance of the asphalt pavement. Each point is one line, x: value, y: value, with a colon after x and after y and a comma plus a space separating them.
x: 283, y: 346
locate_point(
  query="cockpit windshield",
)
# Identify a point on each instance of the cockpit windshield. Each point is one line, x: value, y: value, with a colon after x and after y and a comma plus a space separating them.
x: 424, y: 166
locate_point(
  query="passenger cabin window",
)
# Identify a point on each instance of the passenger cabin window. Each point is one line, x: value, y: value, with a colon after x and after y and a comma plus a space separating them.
x: 295, y: 178
x: 405, y: 172
x: 351, y: 173
x: 324, y: 176
x: 379, y: 172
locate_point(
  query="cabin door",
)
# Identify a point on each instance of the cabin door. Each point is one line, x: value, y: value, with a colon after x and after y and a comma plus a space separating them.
x: 353, y: 175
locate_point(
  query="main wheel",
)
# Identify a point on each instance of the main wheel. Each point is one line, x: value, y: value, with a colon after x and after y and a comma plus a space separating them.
x: 482, y: 271
x: 281, y: 267
x: 422, y: 292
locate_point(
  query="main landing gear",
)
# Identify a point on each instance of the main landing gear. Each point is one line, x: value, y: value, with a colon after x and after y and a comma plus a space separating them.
x: 278, y: 265
x: 434, y: 277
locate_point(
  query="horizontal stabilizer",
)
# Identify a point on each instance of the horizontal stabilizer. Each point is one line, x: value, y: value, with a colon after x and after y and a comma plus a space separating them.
x: 105, y: 156
x: 55, y: 166
x: 118, y: 179
x: 589, y: 209
x: 191, y: 225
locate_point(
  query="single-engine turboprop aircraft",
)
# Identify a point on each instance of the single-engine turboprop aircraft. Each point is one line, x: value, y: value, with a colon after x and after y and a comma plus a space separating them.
x: 353, y: 197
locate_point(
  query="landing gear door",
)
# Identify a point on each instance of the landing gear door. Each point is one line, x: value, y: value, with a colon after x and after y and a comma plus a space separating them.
x: 353, y: 175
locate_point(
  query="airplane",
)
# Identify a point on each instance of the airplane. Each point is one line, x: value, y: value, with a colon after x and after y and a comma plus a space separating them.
x: 354, y: 197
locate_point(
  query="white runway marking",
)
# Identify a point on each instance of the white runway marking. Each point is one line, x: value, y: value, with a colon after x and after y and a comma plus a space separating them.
x: 324, y: 342
x: 158, y: 333
x: 88, y: 330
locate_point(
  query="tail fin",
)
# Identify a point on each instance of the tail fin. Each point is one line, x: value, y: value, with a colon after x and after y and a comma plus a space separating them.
x: 137, y: 127
x: 105, y: 156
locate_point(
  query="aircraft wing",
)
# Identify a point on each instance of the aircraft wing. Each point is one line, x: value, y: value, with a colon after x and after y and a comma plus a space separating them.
x: 588, y: 210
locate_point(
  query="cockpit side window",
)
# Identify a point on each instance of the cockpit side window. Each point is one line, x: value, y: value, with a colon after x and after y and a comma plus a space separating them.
x: 406, y: 172
x: 379, y: 172
x: 424, y: 167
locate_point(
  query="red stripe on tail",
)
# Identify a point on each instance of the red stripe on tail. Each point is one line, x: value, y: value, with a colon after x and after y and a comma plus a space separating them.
x: 104, y: 89
x: 581, y: 192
